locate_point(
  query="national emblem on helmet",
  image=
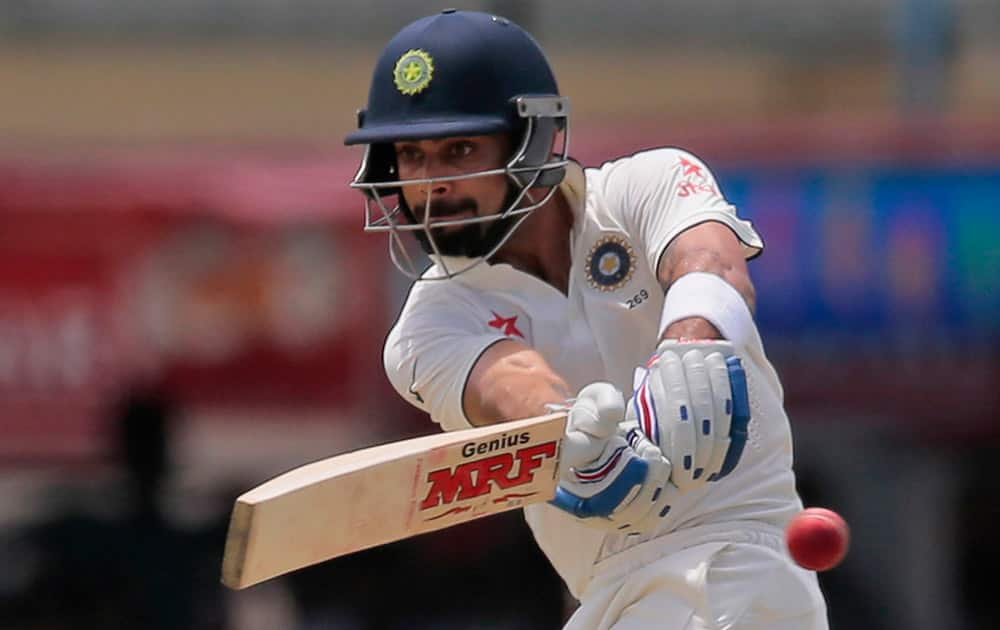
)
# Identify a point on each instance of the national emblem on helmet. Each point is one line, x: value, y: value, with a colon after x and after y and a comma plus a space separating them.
x: 460, y: 73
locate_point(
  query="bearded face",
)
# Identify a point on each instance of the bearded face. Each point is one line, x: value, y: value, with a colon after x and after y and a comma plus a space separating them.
x: 471, y: 240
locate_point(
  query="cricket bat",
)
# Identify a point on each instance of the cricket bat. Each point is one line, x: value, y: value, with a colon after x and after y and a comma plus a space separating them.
x: 382, y: 494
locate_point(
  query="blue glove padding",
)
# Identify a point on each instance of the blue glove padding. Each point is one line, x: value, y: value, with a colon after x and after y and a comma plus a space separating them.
x: 741, y: 417
x: 604, y: 502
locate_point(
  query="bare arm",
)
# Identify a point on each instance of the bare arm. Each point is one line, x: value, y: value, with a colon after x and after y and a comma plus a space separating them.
x: 511, y: 381
x: 709, y: 247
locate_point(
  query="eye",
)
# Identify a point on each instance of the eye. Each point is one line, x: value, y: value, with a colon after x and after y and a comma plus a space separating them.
x: 462, y: 149
x: 409, y: 155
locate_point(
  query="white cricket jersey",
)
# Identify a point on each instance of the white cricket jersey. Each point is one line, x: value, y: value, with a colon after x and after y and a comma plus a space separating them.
x: 625, y: 214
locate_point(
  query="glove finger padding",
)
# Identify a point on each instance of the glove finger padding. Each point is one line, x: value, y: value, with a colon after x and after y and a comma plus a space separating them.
x: 597, y: 410
x: 702, y: 411
x: 692, y: 402
x: 593, y: 418
x: 664, y: 409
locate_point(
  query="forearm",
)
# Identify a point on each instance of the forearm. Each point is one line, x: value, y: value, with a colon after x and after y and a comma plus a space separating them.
x: 511, y: 381
x: 706, y: 248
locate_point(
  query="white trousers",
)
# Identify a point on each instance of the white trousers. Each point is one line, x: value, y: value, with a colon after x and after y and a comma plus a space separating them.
x: 708, y: 586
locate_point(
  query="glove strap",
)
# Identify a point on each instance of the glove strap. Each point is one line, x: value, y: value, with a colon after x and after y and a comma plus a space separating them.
x: 606, y: 501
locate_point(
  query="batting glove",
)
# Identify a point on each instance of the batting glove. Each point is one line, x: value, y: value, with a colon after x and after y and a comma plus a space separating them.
x: 692, y: 402
x: 612, y: 480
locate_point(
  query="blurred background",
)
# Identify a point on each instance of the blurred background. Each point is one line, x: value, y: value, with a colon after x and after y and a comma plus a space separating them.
x: 188, y: 305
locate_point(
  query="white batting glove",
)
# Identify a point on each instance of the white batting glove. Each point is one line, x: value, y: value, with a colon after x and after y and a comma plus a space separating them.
x: 612, y: 481
x: 692, y: 401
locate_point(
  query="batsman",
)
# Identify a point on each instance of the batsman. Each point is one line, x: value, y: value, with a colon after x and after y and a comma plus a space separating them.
x: 620, y: 293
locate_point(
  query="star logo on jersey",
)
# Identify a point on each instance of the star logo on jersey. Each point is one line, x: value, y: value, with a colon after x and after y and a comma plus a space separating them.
x: 507, y: 325
x: 695, y: 180
x: 690, y: 168
x: 611, y: 263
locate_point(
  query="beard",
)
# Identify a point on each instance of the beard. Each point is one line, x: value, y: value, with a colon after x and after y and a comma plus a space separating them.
x: 472, y: 241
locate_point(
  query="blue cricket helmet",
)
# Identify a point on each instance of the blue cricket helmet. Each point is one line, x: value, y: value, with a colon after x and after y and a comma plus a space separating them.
x: 450, y: 74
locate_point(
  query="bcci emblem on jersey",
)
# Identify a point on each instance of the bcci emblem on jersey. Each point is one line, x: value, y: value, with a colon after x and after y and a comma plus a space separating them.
x: 611, y: 263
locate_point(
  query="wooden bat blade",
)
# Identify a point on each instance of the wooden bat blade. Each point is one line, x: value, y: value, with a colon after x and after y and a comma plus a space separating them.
x: 382, y: 494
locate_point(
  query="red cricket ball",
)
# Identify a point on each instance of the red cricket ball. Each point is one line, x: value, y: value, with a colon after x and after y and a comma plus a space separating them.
x: 817, y: 538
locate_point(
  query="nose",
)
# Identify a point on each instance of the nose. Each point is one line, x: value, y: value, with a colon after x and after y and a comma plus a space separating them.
x: 436, y: 188
x: 440, y: 189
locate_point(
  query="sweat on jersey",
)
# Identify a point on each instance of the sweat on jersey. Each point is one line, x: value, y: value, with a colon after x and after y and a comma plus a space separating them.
x: 625, y: 214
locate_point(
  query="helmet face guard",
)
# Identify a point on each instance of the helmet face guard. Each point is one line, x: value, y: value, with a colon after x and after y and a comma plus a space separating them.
x: 534, y: 171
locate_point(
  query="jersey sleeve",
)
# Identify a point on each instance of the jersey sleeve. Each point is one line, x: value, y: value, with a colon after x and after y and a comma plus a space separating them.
x: 429, y: 354
x: 658, y: 194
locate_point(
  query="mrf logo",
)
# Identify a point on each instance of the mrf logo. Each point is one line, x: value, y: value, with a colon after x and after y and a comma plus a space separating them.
x: 503, y: 471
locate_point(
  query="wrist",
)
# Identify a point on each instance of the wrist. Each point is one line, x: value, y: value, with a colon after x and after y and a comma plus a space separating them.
x: 690, y: 328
